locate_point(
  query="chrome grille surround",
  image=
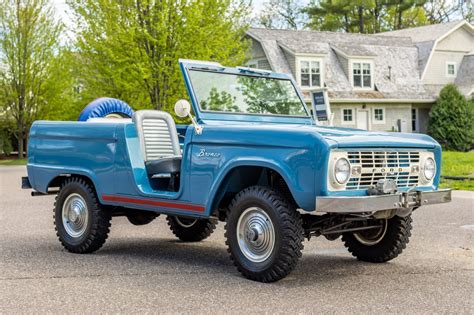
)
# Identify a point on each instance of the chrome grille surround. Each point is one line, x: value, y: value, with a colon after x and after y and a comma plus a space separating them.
x: 370, y: 165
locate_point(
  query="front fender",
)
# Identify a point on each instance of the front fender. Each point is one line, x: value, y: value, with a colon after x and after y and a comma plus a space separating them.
x: 301, y: 185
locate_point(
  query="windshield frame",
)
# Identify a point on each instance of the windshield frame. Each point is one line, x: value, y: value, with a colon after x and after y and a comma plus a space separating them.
x: 187, y: 66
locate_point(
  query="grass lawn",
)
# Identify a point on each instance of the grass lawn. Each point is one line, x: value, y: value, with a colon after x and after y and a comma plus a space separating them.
x: 13, y: 162
x: 457, y: 164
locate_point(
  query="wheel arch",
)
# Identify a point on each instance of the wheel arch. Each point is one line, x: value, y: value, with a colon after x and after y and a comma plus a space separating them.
x: 59, y: 180
x: 241, y: 175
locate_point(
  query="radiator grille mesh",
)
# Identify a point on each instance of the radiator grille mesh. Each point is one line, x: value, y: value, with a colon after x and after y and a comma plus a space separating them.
x: 370, y: 166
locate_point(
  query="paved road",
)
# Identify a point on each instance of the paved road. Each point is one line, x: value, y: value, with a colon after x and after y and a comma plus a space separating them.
x: 144, y: 269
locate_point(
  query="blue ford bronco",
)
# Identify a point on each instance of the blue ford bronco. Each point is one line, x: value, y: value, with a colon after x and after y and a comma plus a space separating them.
x: 252, y: 157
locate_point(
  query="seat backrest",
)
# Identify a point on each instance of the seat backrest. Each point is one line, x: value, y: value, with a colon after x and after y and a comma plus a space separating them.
x: 157, y: 134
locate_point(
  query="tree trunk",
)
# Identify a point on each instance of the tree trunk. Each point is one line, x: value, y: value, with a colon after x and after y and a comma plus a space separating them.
x: 361, y: 19
x: 377, y: 17
x: 21, y: 142
x: 346, y: 24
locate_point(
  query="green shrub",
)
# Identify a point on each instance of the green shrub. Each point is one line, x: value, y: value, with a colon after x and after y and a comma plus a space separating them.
x: 451, y: 120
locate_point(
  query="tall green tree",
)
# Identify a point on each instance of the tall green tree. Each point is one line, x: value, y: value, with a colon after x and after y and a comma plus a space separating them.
x: 365, y: 16
x: 129, y: 49
x: 452, y: 120
x: 29, y: 42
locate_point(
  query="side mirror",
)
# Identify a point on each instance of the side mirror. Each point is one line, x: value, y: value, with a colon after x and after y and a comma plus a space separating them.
x: 182, y: 109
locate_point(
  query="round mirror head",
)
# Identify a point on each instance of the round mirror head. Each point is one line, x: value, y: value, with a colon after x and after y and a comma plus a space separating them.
x: 182, y: 108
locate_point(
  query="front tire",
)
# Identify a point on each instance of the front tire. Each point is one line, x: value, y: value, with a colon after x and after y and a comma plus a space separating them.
x: 82, y: 224
x: 191, y: 230
x: 264, y: 234
x: 380, y: 245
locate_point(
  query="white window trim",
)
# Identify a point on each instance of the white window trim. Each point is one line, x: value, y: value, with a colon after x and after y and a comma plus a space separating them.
x: 375, y: 121
x: 298, y: 60
x: 353, y: 121
x: 449, y: 63
x: 351, y: 73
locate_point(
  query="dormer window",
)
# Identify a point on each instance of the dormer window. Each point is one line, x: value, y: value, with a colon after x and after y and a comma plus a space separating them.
x: 451, y: 69
x: 362, y: 75
x: 309, y: 72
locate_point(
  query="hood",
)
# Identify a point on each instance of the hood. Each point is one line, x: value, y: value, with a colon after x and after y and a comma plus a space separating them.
x: 346, y: 137
x: 333, y: 136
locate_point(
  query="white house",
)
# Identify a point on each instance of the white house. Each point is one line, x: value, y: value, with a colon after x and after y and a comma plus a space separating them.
x: 381, y: 82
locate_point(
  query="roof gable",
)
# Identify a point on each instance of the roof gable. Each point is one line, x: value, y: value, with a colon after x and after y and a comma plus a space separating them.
x: 426, y: 33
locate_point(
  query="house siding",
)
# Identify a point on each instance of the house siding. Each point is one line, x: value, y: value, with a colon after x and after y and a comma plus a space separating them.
x: 392, y: 112
x: 257, y: 54
x: 451, y: 49
x: 436, y: 71
x: 264, y: 64
x: 257, y: 51
x: 459, y: 40
x: 291, y: 59
x: 344, y: 62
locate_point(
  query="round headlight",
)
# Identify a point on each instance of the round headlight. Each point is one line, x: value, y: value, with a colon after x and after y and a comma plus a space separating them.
x: 429, y: 169
x: 342, y: 171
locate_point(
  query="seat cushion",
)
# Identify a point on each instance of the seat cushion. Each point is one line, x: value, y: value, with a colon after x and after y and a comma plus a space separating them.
x: 169, y: 164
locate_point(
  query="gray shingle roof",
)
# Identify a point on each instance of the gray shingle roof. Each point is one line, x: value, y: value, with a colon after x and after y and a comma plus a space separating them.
x: 399, y: 53
x: 424, y: 33
x: 425, y: 37
x: 465, y: 77
x: 353, y: 50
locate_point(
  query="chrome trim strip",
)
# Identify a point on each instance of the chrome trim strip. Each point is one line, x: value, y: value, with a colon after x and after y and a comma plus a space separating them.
x: 361, y: 204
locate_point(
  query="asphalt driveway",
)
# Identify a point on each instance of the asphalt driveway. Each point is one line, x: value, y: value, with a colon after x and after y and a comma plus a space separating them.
x: 145, y: 269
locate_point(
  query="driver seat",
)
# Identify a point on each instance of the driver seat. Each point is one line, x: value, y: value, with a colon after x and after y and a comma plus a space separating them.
x: 159, y: 143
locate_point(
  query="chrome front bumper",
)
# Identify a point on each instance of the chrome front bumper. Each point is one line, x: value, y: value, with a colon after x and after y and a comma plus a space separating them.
x: 402, y: 200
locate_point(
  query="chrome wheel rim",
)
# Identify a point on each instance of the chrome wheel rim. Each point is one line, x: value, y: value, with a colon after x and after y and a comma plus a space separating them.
x: 186, y: 223
x: 370, y: 238
x: 255, y: 234
x: 75, y: 215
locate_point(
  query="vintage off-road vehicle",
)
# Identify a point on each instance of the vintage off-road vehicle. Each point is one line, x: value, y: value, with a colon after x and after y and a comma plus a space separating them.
x: 253, y: 157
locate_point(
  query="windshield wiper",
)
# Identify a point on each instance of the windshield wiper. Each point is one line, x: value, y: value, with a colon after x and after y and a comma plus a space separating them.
x: 253, y: 70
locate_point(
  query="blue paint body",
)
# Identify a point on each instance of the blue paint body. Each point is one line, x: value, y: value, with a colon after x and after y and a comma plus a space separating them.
x: 109, y: 155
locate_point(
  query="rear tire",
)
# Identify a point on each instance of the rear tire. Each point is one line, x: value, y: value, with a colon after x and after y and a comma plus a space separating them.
x: 383, y: 245
x: 191, y: 230
x: 82, y: 224
x: 264, y: 234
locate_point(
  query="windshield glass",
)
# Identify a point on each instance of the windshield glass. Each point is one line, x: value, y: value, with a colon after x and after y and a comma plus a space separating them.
x: 233, y: 93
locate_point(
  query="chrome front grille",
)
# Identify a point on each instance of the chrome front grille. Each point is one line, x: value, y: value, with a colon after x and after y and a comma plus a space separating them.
x: 367, y: 167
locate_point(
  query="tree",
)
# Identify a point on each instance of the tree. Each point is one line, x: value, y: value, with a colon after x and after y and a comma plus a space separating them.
x: 219, y: 101
x: 442, y: 11
x: 282, y: 14
x: 130, y: 49
x: 28, y: 44
x: 365, y: 16
x: 452, y: 120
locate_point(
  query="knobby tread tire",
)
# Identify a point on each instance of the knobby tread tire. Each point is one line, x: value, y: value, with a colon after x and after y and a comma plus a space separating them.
x: 199, y: 231
x: 289, y: 223
x: 99, y: 218
x: 394, y: 242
